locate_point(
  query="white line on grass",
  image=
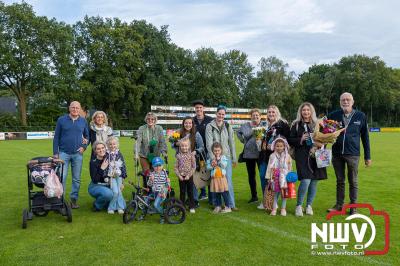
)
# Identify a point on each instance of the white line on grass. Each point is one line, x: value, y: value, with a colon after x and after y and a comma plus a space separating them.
x: 292, y: 236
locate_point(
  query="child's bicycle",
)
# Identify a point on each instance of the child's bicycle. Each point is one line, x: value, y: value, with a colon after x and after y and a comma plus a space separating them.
x: 141, y: 205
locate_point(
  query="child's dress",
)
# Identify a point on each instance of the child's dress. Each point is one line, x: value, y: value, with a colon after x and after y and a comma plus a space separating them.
x: 219, y: 182
x: 116, y: 173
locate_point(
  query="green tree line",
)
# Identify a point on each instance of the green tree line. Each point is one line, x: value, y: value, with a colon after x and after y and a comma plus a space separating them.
x: 124, y: 67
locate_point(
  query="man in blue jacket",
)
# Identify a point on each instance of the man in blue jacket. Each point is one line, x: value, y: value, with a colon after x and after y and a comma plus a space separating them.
x: 346, y: 150
x: 69, y: 145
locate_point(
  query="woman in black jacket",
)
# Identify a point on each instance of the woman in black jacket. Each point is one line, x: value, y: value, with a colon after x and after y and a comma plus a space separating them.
x: 98, y: 187
x: 300, y: 138
x: 275, y: 125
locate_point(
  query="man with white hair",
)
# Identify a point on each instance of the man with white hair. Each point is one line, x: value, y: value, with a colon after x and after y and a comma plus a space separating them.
x: 69, y: 146
x: 346, y: 150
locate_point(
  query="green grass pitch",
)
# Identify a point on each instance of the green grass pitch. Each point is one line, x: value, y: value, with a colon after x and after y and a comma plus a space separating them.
x: 246, y: 237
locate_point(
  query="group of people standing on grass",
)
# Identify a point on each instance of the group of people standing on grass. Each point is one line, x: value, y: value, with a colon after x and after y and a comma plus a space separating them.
x: 210, y: 142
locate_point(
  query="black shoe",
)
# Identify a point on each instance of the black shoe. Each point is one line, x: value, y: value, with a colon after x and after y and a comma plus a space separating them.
x: 253, y: 200
x: 335, y: 208
x: 196, y: 204
x: 94, y: 209
x: 353, y: 211
x: 74, y: 205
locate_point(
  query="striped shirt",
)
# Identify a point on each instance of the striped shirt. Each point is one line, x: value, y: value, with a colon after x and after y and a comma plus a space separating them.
x: 159, y: 182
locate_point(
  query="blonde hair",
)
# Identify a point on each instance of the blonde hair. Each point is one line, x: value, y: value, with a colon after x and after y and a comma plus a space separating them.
x: 183, y: 140
x: 150, y: 114
x: 110, y: 139
x: 97, y: 143
x: 100, y: 113
x: 278, y: 113
x: 300, y: 118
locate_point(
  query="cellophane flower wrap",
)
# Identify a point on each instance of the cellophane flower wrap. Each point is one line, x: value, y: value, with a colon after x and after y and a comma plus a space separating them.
x: 327, y: 130
x: 258, y: 132
x: 174, y: 137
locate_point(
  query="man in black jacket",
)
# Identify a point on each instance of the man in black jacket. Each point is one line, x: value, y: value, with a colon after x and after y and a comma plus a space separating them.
x: 201, y: 120
x: 346, y: 150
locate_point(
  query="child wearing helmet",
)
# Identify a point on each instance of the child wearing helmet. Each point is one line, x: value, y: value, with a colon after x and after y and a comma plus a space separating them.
x: 279, y: 165
x: 159, y: 184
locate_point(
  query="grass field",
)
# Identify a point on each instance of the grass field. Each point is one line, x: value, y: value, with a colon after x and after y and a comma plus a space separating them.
x: 246, y: 237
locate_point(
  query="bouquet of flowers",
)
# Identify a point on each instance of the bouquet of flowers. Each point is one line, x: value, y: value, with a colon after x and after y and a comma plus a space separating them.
x: 326, y: 131
x: 258, y: 132
x: 174, y: 137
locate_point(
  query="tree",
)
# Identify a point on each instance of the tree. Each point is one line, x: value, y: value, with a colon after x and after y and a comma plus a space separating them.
x: 211, y: 80
x: 108, y: 55
x: 33, y: 52
x: 368, y: 79
x: 168, y: 69
x: 318, y: 84
x: 273, y: 84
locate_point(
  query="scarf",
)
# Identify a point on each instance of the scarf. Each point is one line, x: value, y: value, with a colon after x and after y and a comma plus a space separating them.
x: 102, y: 133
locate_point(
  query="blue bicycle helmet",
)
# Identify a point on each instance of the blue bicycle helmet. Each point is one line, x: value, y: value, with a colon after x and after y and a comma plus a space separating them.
x: 157, y: 161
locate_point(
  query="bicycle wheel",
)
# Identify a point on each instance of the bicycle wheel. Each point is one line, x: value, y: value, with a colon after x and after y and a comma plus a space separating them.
x: 175, y: 214
x: 130, y: 212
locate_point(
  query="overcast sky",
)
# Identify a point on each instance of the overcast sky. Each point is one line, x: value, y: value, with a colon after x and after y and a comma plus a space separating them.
x: 300, y: 32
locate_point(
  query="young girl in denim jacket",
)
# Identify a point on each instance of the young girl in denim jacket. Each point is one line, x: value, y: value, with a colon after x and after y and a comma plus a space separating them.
x: 219, y: 183
x: 116, y: 175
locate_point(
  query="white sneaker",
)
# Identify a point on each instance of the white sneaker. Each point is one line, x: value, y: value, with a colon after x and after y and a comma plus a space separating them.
x: 309, y: 210
x: 283, y: 212
x: 217, y: 209
x: 226, y: 210
x: 110, y: 212
x: 261, y: 206
x: 299, y: 211
x: 120, y: 211
x: 192, y: 211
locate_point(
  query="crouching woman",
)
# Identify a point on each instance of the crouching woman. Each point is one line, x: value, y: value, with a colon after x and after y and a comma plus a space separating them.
x: 99, y: 185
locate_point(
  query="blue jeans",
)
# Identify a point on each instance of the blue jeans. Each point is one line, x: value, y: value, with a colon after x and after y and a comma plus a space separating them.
x: 276, y: 198
x: 306, y: 185
x: 76, y: 167
x: 218, y: 201
x: 196, y: 193
x: 117, y: 201
x: 230, y: 184
x: 263, y: 171
x: 157, y: 202
x: 102, y: 194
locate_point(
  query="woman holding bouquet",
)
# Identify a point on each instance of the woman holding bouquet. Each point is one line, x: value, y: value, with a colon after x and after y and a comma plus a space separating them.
x: 250, y: 150
x: 275, y: 126
x: 308, y: 173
